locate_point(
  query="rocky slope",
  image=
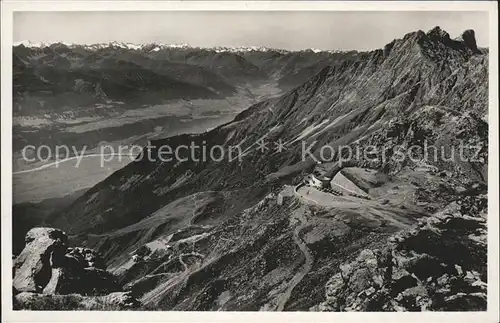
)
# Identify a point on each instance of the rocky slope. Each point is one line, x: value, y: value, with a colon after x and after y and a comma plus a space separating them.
x: 232, y: 235
x: 439, y: 265
x: 30, y: 215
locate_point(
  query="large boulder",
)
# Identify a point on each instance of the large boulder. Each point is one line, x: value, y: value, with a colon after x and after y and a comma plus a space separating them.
x: 32, y: 270
x: 111, y: 302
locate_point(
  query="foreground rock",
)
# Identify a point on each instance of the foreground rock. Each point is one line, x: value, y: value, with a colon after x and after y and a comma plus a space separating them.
x: 210, y: 246
x: 46, y: 265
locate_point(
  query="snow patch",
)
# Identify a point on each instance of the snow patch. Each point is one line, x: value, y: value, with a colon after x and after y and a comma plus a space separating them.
x: 309, y: 131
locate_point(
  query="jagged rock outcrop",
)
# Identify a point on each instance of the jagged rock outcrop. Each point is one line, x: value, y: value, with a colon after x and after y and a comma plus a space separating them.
x: 388, y: 47
x: 212, y: 245
x: 349, y: 101
x: 438, y: 265
x: 47, y: 265
x: 468, y: 37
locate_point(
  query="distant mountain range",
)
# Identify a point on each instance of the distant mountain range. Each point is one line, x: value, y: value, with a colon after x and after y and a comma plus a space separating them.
x: 154, y: 47
x: 173, y: 70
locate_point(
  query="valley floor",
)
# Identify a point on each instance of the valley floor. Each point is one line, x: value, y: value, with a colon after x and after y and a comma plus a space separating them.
x: 49, y: 179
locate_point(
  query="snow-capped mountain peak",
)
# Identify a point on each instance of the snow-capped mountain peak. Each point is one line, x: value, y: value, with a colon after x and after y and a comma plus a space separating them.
x: 155, y: 47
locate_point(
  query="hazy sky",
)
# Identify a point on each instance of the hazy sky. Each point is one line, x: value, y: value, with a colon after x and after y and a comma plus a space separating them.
x: 287, y: 30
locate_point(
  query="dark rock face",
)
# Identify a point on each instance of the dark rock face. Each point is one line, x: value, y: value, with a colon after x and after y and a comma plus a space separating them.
x: 469, y: 40
x: 86, y: 257
x: 111, y: 302
x: 32, y: 268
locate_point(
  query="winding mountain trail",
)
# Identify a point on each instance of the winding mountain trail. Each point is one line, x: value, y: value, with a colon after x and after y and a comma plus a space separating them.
x: 309, y: 259
x: 181, y: 260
